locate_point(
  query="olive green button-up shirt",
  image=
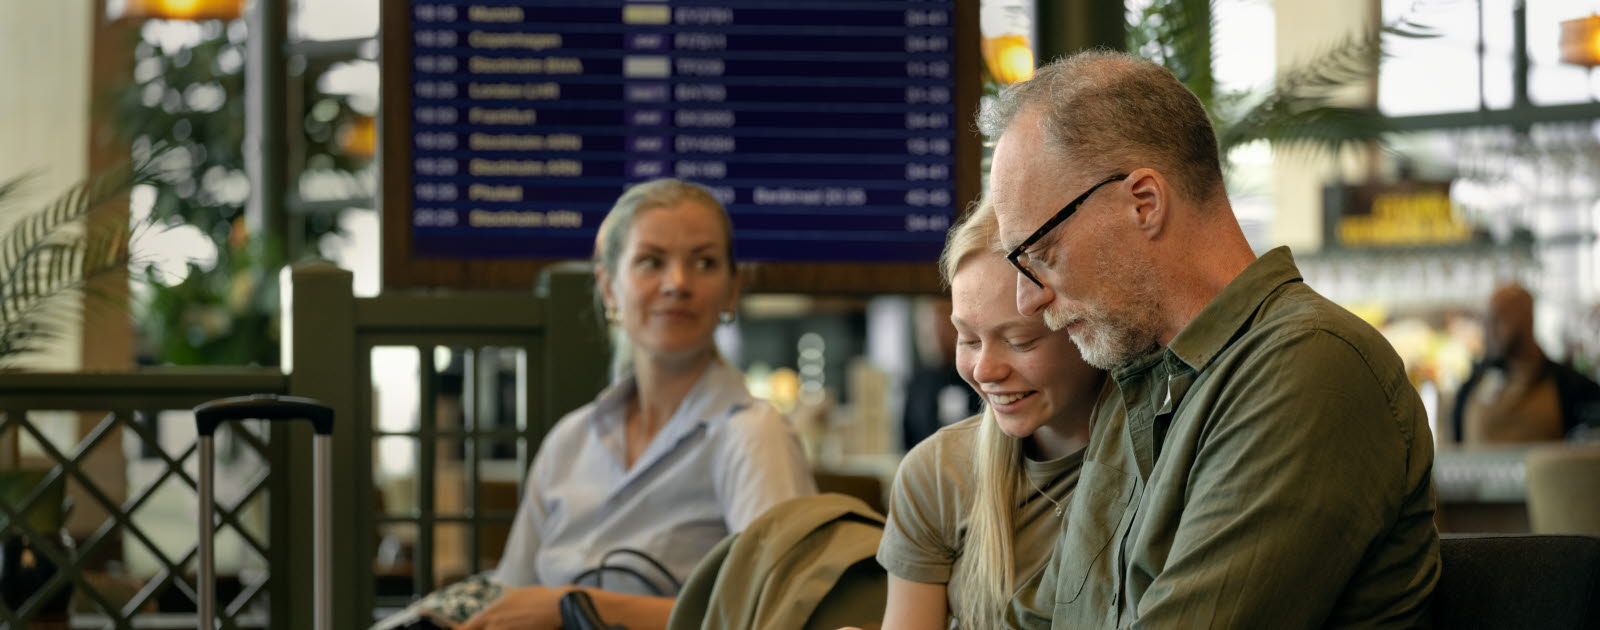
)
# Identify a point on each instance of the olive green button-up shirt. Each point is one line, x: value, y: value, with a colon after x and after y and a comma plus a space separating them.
x: 1270, y: 468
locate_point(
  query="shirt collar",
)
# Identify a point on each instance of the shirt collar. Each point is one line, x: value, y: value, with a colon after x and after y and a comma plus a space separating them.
x: 720, y: 389
x: 1219, y: 322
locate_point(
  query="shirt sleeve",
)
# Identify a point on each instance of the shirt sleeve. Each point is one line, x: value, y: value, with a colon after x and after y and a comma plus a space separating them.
x: 1306, y: 462
x: 920, y: 543
x: 518, y: 564
x: 759, y: 464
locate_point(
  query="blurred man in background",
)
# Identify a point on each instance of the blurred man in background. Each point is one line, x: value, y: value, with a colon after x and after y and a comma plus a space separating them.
x: 1517, y: 394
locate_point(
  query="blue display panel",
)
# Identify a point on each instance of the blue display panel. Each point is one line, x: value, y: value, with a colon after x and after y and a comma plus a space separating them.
x: 827, y: 127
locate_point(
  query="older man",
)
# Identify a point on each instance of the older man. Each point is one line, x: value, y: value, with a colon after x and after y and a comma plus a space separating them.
x: 1268, y: 465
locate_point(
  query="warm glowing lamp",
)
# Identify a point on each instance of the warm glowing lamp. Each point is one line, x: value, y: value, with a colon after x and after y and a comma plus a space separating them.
x: 1009, y: 57
x: 359, y: 137
x: 1007, y: 28
x: 1580, y: 41
x: 178, y: 9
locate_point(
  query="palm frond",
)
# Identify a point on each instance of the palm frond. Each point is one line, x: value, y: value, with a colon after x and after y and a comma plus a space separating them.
x: 1348, y: 61
x: 1177, y: 34
x: 10, y: 187
x: 1302, y: 109
x: 1317, y: 129
x: 37, y: 332
x: 36, y: 228
x: 64, y: 264
x: 51, y: 254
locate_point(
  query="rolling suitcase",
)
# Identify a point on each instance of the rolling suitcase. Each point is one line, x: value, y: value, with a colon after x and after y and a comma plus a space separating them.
x: 266, y: 407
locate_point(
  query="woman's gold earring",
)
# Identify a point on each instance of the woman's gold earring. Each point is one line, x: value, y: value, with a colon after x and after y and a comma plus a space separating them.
x: 611, y: 316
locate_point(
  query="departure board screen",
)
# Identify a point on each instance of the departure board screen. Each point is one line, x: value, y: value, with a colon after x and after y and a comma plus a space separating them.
x: 826, y: 127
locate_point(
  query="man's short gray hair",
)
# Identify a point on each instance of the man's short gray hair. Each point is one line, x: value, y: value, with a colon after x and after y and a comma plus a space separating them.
x: 1120, y: 112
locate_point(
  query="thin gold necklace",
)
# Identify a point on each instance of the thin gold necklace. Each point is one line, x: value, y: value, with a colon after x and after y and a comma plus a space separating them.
x: 1060, y: 509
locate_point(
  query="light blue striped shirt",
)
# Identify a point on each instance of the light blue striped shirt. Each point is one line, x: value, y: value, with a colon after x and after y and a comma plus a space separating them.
x: 721, y: 460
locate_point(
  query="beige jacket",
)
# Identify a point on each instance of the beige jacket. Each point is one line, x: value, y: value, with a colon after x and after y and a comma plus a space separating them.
x: 806, y: 563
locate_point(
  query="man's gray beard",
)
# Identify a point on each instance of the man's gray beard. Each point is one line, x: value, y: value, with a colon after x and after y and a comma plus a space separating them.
x: 1105, y: 342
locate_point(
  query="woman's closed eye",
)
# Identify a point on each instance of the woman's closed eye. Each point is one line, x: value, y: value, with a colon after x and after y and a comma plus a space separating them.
x: 1022, y: 343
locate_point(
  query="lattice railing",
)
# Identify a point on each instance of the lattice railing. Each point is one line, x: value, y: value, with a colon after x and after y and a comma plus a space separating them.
x: 27, y: 401
x: 559, y: 363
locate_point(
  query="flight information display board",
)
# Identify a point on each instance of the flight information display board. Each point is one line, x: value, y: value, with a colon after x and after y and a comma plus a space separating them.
x: 828, y: 128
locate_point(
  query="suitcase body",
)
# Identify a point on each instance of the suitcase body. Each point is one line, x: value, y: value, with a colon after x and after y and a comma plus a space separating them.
x: 208, y: 416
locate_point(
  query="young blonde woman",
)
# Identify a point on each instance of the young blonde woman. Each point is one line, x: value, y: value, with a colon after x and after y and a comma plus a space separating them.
x: 627, y: 493
x: 977, y: 507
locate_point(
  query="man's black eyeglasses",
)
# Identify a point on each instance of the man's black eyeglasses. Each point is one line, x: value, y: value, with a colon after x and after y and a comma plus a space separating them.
x: 1019, y: 256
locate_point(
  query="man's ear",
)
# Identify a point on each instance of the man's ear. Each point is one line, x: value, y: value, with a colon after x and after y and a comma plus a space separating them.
x: 1151, y: 193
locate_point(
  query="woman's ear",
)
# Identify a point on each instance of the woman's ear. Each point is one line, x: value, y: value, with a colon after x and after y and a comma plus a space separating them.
x: 735, y: 289
x: 602, y: 279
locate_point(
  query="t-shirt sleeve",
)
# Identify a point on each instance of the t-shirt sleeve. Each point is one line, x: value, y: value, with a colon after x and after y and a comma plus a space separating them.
x: 920, y: 542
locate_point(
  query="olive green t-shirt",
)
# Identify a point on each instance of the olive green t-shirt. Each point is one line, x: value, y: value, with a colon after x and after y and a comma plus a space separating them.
x: 933, y: 493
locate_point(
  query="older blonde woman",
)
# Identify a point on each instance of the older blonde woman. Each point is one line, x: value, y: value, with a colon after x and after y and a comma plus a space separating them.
x: 977, y: 507
x: 628, y: 492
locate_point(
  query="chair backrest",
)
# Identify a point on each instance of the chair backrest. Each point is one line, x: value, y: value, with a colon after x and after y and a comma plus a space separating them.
x: 1564, y: 489
x: 1517, y: 582
x: 868, y: 488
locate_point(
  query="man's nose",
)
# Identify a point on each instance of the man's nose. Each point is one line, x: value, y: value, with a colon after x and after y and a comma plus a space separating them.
x: 1031, y: 298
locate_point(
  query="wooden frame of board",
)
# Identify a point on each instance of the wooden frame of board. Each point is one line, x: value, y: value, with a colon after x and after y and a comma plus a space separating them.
x: 402, y: 270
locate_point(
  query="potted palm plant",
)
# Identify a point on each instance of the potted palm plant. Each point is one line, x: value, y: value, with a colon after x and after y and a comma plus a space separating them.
x: 48, y: 257
x: 1303, y: 107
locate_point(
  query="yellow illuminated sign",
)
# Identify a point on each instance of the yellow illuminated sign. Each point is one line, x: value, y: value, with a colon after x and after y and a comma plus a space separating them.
x: 1421, y: 217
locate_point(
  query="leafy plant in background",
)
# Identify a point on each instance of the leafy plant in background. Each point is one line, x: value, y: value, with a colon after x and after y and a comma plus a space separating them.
x: 192, y: 98
x: 49, y: 256
x: 1302, y: 109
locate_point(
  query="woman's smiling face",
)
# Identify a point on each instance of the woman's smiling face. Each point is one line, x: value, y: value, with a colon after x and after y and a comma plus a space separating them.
x: 1027, y: 373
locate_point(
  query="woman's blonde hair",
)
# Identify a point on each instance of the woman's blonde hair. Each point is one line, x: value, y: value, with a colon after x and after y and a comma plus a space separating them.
x: 987, y: 565
x: 612, y: 237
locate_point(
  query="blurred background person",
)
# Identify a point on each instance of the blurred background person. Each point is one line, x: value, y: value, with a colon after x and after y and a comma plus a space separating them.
x: 1516, y: 393
x: 628, y: 492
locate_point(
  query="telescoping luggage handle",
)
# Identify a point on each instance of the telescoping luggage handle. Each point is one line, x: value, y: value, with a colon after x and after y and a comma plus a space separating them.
x: 267, y: 407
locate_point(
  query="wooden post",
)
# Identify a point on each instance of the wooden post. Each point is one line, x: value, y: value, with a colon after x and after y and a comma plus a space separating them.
x: 321, y: 360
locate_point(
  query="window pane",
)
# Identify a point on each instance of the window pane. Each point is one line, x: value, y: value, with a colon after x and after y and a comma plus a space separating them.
x: 1431, y: 75
x: 1244, y: 58
x: 334, y: 19
x: 1499, y: 40
x: 1551, y: 82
